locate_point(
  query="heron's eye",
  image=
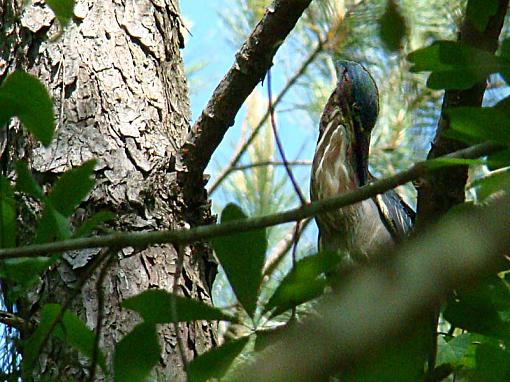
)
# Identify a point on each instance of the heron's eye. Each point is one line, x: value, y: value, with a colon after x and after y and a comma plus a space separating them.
x: 345, y: 76
x: 345, y: 80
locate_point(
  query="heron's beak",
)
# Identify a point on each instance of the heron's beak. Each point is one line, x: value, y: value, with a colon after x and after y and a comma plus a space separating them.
x: 361, y: 149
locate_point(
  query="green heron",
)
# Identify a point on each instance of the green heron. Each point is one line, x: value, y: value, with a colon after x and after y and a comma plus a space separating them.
x: 341, y: 165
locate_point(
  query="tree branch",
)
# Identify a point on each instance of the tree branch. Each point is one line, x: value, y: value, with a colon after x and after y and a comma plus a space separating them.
x: 446, y: 188
x: 142, y: 239
x: 239, y: 153
x: 16, y: 322
x: 251, y: 64
x: 271, y: 163
x: 99, y: 317
x: 282, y: 247
x: 279, y: 144
x: 84, y: 277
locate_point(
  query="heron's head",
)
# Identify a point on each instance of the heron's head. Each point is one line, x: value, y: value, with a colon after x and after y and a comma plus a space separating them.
x: 353, y: 107
x: 359, y: 92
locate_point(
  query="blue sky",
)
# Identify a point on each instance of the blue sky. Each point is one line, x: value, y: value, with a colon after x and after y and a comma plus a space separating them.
x: 206, y: 44
x: 209, y: 44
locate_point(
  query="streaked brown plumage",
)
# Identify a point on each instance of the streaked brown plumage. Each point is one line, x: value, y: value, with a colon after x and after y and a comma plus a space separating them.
x: 341, y: 165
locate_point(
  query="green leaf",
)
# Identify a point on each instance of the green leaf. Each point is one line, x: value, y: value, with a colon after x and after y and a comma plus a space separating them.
x: 75, y: 333
x: 491, y: 184
x: 480, y: 11
x: 70, y: 330
x: 52, y: 226
x: 481, y: 123
x: 93, y: 222
x: 392, y: 27
x: 302, y: 283
x: 24, y: 271
x: 267, y: 337
x: 215, y: 363
x: 155, y: 306
x: 63, y: 9
x: 459, y: 351
x: 492, y: 363
x: 136, y: 354
x: 24, y: 96
x: 433, y: 164
x: 479, y: 309
x: 7, y: 214
x: 26, y: 183
x: 295, y: 293
x: 454, y: 65
x: 69, y: 190
x: 498, y: 160
x: 72, y: 187
x: 242, y: 257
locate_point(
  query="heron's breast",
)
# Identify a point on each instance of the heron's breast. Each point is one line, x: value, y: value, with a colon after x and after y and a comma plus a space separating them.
x: 333, y: 173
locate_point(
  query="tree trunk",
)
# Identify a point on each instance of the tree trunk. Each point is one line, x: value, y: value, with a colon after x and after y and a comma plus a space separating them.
x: 120, y: 96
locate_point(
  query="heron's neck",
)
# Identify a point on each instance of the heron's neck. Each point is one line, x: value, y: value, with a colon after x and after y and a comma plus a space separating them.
x: 334, y: 164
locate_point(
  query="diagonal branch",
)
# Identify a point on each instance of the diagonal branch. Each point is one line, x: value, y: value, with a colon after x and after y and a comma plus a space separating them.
x: 282, y: 247
x: 142, y: 239
x: 251, y: 64
x: 290, y: 83
x: 279, y: 144
x: 328, y: 40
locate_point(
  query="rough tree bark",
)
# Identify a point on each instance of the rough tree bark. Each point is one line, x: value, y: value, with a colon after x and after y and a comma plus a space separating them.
x: 117, y: 81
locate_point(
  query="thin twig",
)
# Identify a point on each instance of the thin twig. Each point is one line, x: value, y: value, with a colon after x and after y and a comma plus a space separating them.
x: 297, y: 236
x: 14, y: 321
x: 100, y: 314
x: 271, y: 163
x: 181, y: 236
x: 282, y: 247
x: 81, y: 282
x: 295, y: 240
x: 173, y: 306
x: 239, y: 153
x: 279, y: 142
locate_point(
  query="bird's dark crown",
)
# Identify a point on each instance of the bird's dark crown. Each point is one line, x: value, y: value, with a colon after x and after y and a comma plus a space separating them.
x: 358, y: 90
